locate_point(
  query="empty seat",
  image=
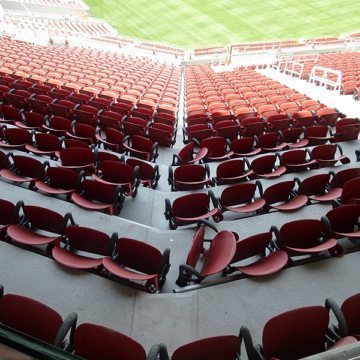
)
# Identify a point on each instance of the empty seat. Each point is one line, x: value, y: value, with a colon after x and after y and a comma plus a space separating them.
x: 232, y: 171
x: 82, y: 132
x: 347, y: 316
x: 134, y: 260
x: 229, y: 129
x: 217, y: 148
x: 265, y: 166
x: 36, y: 319
x: 187, y: 155
x: 189, y: 177
x: 83, y: 248
x: 188, y: 209
x: 40, y: 103
x: 306, y: 237
x: 294, y: 138
x: 350, y: 192
x: 10, y: 114
x: 265, y: 262
x: 45, y: 144
x: 293, y: 334
x: 23, y: 169
x: 318, y: 134
x: 58, y: 181
x: 77, y: 158
x: 304, y: 118
x: 57, y: 125
x: 136, y: 126
x: 93, y: 342
x: 14, y: 138
x: 109, y: 119
x: 197, y: 132
x: 215, y: 259
x: 347, y: 129
x: 117, y: 173
x: 271, y: 141
x: 244, y: 147
x: 148, y: 174
x: 318, y: 188
x: 42, y: 226
x: 325, y: 155
x: 86, y: 114
x: 99, y: 196
x: 328, y: 116
x: 141, y: 148
x: 344, y: 221
x: 9, y: 214
x: 297, y: 160
x: 113, y: 140
x: 282, y: 196
x: 163, y: 134
x: 252, y: 126
x: 63, y: 108
x: 242, y: 198
x: 30, y: 121
x: 226, y: 347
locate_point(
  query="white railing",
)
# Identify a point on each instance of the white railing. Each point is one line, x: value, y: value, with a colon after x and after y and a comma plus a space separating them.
x: 294, y: 69
x: 328, y: 78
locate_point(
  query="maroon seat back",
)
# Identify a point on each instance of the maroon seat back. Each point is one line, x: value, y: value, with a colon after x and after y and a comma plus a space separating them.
x: 238, y: 194
x: 116, y: 172
x: 296, y: 334
x: 303, y: 233
x: 191, y: 205
x: 197, y: 247
x: 45, y: 219
x: 28, y: 167
x: 251, y: 246
x: 89, y: 240
x: 278, y: 192
x: 94, y: 342
x: 138, y: 255
x: 350, y: 309
x: 30, y: 317
x: 344, y: 218
x: 263, y: 164
x: 214, y: 348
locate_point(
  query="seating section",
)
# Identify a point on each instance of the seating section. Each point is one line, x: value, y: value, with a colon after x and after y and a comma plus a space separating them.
x: 348, y: 63
x: 93, y: 341
x: 99, y: 130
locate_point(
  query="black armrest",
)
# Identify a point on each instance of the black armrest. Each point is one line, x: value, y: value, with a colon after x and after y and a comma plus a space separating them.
x: 207, y: 223
x: 68, y: 324
x: 335, y: 308
x: 158, y: 352
x: 168, y: 209
x: 171, y: 178
x: 183, y: 278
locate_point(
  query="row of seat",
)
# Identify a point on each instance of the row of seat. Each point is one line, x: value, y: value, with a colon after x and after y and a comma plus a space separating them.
x: 27, y: 93
x: 138, y: 264
x: 291, y: 128
x: 139, y: 121
x: 268, y: 252
x: 218, y: 149
x: 249, y: 198
x: 89, y: 72
x: 195, y: 176
x: 104, y: 191
x: 240, y: 93
x: 296, y: 333
x: 47, y: 136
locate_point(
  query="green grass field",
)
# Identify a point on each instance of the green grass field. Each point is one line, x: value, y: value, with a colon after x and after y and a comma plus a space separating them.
x: 192, y: 23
